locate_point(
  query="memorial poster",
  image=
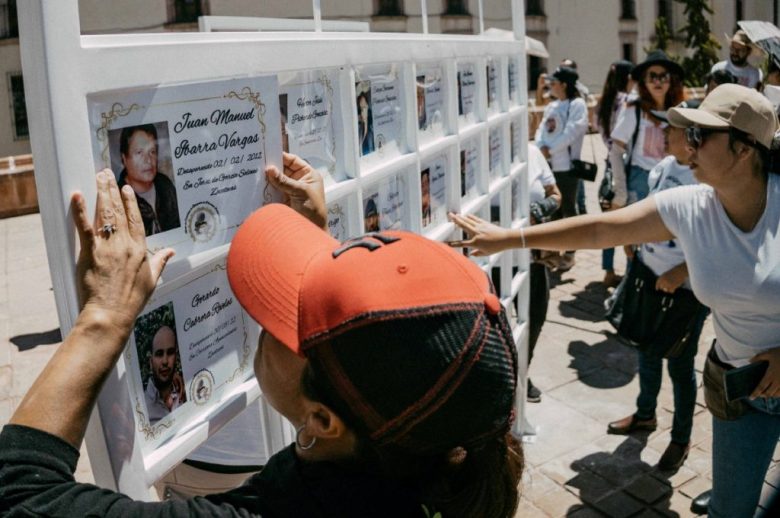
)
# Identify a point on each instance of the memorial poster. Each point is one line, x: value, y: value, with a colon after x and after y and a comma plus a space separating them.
x: 517, y: 141
x: 492, y: 84
x: 513, y: 81
x: 307, y: 101
x: 188, y: 346
x: 384, y: 204
x: 495, y: 151
x: 338, y: 219
x: 433, y: 190
x: 469, y: 166
x: 195, y: 155
x: 378, y: 105
x: 515, y: 204
x: 467, y: 90
x: 430, y: 99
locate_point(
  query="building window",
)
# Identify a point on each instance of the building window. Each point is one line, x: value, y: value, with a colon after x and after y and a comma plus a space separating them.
x: 9, y: 27
x: 534, y: 8
x: 389, y: 8
x: 628, y: 10
x: 535, y: 68
x: 187, y: 11
x: 665, y: 12
x: 739, y: 10
x: 628, y: 52
x: 18, y: 108
x: 456, y: 7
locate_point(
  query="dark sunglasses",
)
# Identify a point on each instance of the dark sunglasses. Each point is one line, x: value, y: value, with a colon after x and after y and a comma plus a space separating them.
x: 695, y: 135
x: 652, y: 77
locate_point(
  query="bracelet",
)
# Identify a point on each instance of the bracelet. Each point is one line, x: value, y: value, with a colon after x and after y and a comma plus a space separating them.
x: 522, y: 236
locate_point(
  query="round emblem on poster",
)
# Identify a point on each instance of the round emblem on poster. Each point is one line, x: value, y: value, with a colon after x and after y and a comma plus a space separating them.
x: 202, y: 386
x: 201, y: 222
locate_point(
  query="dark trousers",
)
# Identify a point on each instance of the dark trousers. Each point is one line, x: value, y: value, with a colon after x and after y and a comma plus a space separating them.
x: 539, y: 299
x: 567, y: 184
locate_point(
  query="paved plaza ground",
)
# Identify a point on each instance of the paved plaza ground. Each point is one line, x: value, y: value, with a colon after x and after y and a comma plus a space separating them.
x: 587, y: 377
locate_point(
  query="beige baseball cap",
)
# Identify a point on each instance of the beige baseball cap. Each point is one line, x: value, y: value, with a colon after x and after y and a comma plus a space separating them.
x: 732, y: 106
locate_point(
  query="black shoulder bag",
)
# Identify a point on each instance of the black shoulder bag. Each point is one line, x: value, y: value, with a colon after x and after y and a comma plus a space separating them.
x: 607, y: 187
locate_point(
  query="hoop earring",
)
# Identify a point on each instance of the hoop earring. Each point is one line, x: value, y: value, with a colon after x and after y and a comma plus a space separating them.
x: 298, y: 439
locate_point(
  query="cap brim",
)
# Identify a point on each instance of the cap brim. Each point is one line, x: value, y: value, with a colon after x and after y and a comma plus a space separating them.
x: 684, y: 117
x: 265, y: 267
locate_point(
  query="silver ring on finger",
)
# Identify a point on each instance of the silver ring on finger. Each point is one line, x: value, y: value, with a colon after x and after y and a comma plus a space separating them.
x: 108, y: 229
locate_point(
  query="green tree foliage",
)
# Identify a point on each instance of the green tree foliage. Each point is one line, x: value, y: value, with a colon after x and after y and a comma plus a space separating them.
x: 699, y: 38
x: 662, y: 36
x: 145, y: 328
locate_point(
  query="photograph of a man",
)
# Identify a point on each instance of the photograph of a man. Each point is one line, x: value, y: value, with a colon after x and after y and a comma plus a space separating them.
x: 425, y: 189
x: 371, y: 215
x: 158, y: 354
x: 155, y: 192
x: 422, y: 119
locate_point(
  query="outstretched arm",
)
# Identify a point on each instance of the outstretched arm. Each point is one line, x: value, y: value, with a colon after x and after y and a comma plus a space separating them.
x: 115, y: 279
x: 637, y: 223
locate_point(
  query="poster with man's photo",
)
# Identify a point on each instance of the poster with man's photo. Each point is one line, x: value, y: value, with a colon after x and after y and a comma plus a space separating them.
x: 384, y: 204
x: 467, y: 91
x: 469, y: 165
x: 430, y: 101
x: 311, y: 126
x: 378, y: 103
x: 495, y: 152
x: 433, y: 191
x: 492, y: 85
x: 189, y: 345
x: 194, y: 154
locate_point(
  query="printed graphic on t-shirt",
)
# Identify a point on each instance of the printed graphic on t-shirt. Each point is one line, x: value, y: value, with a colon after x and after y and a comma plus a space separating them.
x: 653, y: 146
x: 553, y: 125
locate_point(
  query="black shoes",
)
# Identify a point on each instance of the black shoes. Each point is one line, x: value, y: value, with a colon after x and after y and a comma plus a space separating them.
x: 631, y: 424
x: 533, y: 394
x: 700, y: 504
x: 674, y: 456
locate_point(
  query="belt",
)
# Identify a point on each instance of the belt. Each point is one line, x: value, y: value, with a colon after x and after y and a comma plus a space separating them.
x: 713, y: 356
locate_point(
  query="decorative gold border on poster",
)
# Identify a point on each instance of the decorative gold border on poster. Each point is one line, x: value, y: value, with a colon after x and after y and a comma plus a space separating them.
x: 337, y: 210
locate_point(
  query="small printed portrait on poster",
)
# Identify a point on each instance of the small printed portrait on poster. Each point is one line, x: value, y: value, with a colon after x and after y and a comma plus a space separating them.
x: 425, y: 190
x: 160, y: 362
x: 365, y: 117
x: 460, y: 96
x: 421, y: 115
x: 283, y: 112
x: 142, y: 155
x: 371, y: 213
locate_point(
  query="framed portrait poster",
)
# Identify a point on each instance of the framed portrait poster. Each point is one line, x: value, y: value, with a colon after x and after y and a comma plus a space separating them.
x: 195, y: 155
x: 467, y: 86
x: 431, y: 93
x: 434, y: 180
x: 385, y: 203
x: 470, y: 163
x: 312, y: 121
x: 496, y: 152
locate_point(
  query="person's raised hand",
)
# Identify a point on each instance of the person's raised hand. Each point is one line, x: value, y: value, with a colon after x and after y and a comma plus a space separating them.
x: 115, y: 276
x: 769, y: 386
x: 303, y: 188
x: 484, y: 238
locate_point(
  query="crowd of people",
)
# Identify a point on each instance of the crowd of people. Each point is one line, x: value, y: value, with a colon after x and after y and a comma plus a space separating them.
x: 688, y: 178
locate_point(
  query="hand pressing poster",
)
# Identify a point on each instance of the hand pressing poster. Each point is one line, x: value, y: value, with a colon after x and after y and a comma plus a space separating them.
x: 188, y: 345
x: 307, y: 101
x: 194, y: 154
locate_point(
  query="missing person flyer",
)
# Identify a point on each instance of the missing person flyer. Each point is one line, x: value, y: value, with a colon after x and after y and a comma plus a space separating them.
x: 378, y: 106
x: 307, y: 104
x: 384, y: 204
x: 189, y: 344
x: 195, y: 155
x: 430, y: 99
x: 469, y: 164
x: 433, y: 190
x: 492, y: 84
x: 467, y: 90
x: 495, y: 151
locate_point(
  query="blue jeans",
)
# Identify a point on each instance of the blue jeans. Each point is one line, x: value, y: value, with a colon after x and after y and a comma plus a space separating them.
x: 683, y: 385
x: 741, y: 452
x: 637, y: 185
x: 608, y: 259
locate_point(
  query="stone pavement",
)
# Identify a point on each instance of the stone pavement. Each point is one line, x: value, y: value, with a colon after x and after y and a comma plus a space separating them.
x: 587, y: 377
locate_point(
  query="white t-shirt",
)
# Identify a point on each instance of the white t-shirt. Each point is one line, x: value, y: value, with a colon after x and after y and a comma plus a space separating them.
x: 747, y: 76
x: 662, y: 256
x: 563, y: 126
x: 735, y: 273
x: 649, y: 149
x: 539, y: 174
